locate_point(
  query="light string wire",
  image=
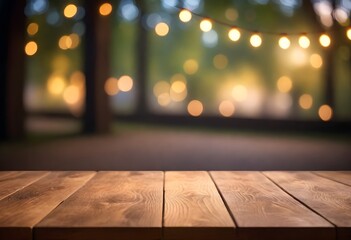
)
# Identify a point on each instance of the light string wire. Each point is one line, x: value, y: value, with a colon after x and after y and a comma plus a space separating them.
x: 253, y: 31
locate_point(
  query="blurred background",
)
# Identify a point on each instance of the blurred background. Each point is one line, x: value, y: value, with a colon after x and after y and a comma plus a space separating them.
x: 260, y: 71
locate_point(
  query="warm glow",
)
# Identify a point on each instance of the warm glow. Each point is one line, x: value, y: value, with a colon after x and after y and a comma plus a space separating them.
x: 75, y: 39
x: 226, y: 108
x: 205, y: 25
x: 316, y: 60
x: 105, y: 9
x: 255, y: 40
x: 195, y: 108
x: 65, y: 42
x: 70, y: 11
x: 234, y: 34
x: 164, y: 99
x: 348, y: 33
x: 111, y: 86
x: 185, y: 15
x: 125, y: 83
x: 325, y: 40
x: 78, y: 79
x: 56, y: 85
x: 325, y: 112
x: 304, y: 42
x: 220, y: 61
x: 32, y: 28
x: 231, y: 14
x: 161, y: 87
x: 190, y: 66
x: 284, y: 84
x: 31, y: 48
x: 239, y: 93
x: 162, y: 29
x: 71, y: 95
x: 178, y: 86
x: 306, y: 101
x: 178, y: 96
x: 284, y: 42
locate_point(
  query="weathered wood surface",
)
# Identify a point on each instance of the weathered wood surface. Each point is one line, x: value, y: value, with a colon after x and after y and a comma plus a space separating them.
x: 330, y: 199
x: 25, y: 208
x: 340, y: 176
x: 194, y: 208
x: 113, y: 205
x: 175, y: 205
x: 263, y: 211
x: 13, y: 181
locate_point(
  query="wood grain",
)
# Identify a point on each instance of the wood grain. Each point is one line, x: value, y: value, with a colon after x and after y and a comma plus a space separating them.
x: 23, y: 209
x: 113, y: 205
x: 329, y: 198
x: 12, y: 181
x: 339, y: 176
x: 194, y: 208
x: 263, y: 211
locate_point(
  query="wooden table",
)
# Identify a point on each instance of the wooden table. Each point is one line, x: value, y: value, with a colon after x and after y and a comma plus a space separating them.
x: 200, y: 205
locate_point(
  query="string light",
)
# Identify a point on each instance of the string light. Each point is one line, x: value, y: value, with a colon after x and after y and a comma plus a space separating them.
x: 284, y: 42
x: 348, y: 33
x: 325, y: 40
x: 234, y: 34
x: 185, y: 15
x: 304, y: 41
x: 205, y: 25
x: 255, y: 40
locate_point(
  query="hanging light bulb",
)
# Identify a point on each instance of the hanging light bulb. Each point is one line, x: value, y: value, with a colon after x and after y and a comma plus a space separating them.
x: 284, y: 42
x: 185, y: 15
x: 255, y: 40
x: 234, y: 34
x: 205, y: 25
x: 348, y: 33
x: 324, y: 40
x: 304, y: 41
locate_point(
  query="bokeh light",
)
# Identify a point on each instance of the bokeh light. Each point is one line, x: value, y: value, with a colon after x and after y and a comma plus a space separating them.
x: 234, y: 34
x: 32, y: 29
x: 190, y: 66
x: 316, y: 60
x: 195, y: 108
x: 164, y: 99
x: 325, y: 40
x: 185, y: 15
x: 162, y: 29
x: 305, y: 101
x: 105, y: 9
x: 71, y: 95
x: 284, y: 42
x: 348, y: 33
x: 111, y: 86
x: 284, y: 84
x: 255, y: 40
x: 161, y: 87
x: 325, y: 112
x: 220, y: 61
x: 56, y: 84
x: 226, y: 108
x: 125, y: 83
x: 65, y: 42
x: 31, y: 48
x: 70, y: 11
x: 304, y: 41
x: 205, y: 25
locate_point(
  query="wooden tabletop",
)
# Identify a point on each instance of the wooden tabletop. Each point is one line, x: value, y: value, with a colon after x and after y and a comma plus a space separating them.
x: 175, y: 205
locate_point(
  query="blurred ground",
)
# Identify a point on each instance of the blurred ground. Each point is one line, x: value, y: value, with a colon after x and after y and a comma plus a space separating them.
x: 55, y: 145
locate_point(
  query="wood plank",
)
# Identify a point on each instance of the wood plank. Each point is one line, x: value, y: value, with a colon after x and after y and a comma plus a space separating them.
x: 263, y: 211
x: 12, y: 181
x: 113, y: 205
x: 339, y: 176
x: 329, y: 198
x: 23, y: 209
x: 194, y: 209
